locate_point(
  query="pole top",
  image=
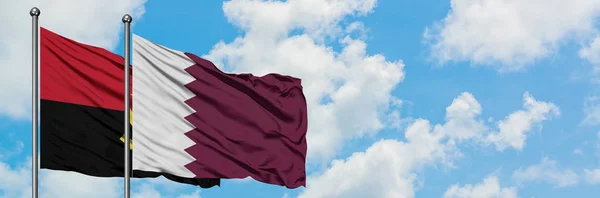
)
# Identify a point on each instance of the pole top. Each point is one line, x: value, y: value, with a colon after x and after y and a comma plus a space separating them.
x: 34, y: 11
x: 127, y: 18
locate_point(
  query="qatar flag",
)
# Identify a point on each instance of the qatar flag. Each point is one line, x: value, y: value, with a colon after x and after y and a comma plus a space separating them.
x: 193, y: 120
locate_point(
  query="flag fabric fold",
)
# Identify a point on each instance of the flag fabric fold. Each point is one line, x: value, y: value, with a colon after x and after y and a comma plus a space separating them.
x: 193, y: 120
x: 82, y: 111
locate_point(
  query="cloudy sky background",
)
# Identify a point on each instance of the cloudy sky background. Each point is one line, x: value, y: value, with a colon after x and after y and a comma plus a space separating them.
x: 432, y: 98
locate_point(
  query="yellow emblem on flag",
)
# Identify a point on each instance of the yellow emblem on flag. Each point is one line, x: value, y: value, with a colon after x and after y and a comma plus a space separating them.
x: 130, y: 122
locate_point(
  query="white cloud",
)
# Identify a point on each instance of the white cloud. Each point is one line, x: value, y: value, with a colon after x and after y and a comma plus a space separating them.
x: 16, y: 183
x: 384, y: 170
x: 161, y: 187
x: 514, y: 128
x: 591, y: 109
x: 547, y: 171
x: 513, y: 33
x: 145, y: 191
x: 461, y: 117
x: 276, y: 18
x: 592, y: 53
x: 357, y: 84
x: 489, y: 188
x: 195, y: 194
x: 592, y: 176
x: 70, y: 184
x: 394, y: 120
x: 149, y: 188
x: 389, y: 167
x: 15, y: 180
x: 93, y: 22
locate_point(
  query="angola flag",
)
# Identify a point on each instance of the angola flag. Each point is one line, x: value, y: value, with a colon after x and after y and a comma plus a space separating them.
x: 82, y: 111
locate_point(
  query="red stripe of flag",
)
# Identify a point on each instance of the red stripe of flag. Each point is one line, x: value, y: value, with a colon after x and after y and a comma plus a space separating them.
x: 76, y: 73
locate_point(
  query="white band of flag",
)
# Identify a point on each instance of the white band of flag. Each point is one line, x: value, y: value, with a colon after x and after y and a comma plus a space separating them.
x: 158, y: 97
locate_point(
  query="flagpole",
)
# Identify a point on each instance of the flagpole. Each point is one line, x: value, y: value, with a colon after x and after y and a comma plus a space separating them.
x: 127, y: 22
x: 35, y: 13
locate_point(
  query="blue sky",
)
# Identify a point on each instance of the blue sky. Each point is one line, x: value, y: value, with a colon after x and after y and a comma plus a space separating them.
x: 406, y: 98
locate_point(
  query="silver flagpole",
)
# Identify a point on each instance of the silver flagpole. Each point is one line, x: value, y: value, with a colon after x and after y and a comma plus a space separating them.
x: 127, y: 22
x: 35, y: 13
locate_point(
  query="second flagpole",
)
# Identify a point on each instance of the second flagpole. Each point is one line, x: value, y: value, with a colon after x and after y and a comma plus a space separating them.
x: 127, y: 22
